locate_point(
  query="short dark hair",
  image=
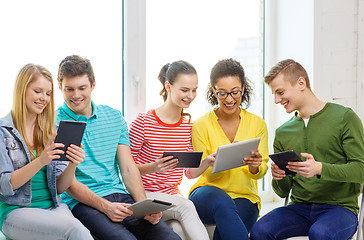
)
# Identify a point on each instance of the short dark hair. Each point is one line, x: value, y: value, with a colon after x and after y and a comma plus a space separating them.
x: 74, y: 65
x: 224, y: 68
x: 291, y: 69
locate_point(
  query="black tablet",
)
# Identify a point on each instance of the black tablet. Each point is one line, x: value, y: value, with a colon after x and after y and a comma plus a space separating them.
x: 185, y: 159
x: 148, y: 206
x: 69, y: 132
x: 281, y: 159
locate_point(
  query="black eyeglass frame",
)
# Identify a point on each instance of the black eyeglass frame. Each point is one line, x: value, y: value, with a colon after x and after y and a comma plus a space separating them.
x: 228, y: 93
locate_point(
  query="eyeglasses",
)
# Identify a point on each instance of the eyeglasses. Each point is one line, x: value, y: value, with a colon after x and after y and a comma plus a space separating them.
x: 233, y: 94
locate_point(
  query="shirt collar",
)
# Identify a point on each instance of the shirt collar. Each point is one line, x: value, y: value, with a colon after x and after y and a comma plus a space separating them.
x: 216, y: 117
x: 76, y: 117
x: 7, y: 121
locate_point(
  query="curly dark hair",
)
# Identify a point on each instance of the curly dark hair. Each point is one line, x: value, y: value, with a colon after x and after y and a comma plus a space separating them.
x: 224, y: 68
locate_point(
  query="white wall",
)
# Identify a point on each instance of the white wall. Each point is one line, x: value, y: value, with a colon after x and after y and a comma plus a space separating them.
x: 360, y: 61
x: 336, y: 51
x: 327, y: 38
x: 135, y: 58
x: 289, y: 34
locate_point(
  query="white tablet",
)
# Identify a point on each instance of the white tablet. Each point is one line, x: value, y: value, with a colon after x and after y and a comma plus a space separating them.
x: 148, y: 206
x: 231, y: 155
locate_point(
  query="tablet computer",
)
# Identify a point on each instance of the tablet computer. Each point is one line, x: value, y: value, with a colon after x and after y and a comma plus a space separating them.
x: 148, y: 206
x: 185, y: 159
x: 69, y: 132
x: 231, y: 155
x: 281, y: 159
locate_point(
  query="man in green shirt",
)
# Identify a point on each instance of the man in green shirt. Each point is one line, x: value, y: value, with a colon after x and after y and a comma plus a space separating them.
x: 326, y: 186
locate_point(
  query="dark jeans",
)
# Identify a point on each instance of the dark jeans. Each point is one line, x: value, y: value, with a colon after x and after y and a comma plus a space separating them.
x: 233, y: 217
x: 102, y: 228
x: 318, y: 221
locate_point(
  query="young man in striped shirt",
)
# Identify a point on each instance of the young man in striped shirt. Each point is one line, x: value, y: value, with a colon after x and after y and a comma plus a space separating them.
x: 98, y: 197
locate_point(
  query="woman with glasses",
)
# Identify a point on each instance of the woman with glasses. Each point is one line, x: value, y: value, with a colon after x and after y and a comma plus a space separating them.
x: 229, y: 198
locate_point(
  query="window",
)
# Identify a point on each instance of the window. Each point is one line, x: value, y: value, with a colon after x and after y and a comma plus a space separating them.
x: 202, y: 33
x: 44, y: 32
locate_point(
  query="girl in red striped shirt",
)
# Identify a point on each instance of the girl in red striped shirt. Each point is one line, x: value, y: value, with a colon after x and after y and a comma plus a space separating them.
x: 168, y: 128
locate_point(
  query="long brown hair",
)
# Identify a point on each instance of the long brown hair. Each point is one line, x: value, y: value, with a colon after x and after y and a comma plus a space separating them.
x: 44, y: 125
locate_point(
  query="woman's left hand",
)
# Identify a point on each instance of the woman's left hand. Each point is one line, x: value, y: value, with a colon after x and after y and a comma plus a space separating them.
x: 253, y: 162
x: 75, y: 154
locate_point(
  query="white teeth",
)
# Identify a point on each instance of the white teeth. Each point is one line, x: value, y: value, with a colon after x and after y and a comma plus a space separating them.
x: 230, y: 105
x: 40, y: 104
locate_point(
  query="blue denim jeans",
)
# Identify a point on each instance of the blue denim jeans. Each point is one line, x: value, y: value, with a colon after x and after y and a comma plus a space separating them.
x: 233, y: 217
x: 318, y: 221
x: 44, y: 224
x: 102, y: 228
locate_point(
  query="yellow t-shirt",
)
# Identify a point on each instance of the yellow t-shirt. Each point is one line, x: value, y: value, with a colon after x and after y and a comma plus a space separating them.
x: 207, y: 136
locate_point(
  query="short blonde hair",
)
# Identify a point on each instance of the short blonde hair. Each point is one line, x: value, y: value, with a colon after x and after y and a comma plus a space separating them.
x: 291, y: 69
x: 44, y: 126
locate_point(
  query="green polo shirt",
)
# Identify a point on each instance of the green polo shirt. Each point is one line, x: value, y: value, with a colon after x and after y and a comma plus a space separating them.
x: 335, y: 137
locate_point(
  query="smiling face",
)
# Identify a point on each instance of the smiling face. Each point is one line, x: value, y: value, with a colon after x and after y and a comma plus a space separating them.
x: 286, y: 94
x: 228, y: 84
x: 77, y: 94
x: 37, y: 95
x: 183, y: 90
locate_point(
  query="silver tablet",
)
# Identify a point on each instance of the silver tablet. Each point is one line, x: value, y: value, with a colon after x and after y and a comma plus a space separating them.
x: 231, y: 155
x: 148, y: 206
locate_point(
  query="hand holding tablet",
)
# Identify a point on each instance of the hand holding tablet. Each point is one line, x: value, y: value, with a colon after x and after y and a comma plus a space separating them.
x: 231, y: 155
x: 185, y: 159
x: 281, y: 159
x: 69, y: 132
x: 148, y: 206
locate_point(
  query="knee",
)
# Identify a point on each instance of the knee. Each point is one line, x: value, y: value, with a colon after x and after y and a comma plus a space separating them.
x: 188, y: 204
x: 259, y: 231
x: 316, y: 233
x: 77, y: 229
x: 176, y: 227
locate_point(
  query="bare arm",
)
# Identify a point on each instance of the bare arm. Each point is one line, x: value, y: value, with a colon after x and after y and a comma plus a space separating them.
x: 133, y: 180
x: 204, y: 165
x: 161, y: 164
x: 76, y: 155
x: 116, y: 212
x: 130, y: 172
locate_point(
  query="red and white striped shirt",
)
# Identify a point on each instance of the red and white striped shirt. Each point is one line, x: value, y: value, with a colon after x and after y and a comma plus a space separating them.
x: 149, y: 138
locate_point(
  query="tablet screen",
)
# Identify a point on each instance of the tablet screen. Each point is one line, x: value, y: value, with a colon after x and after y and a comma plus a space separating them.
x: 69, y: 132
x: 185, y: 159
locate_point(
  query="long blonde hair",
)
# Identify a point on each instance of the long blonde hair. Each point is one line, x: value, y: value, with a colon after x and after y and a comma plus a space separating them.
x: 44, y: 124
